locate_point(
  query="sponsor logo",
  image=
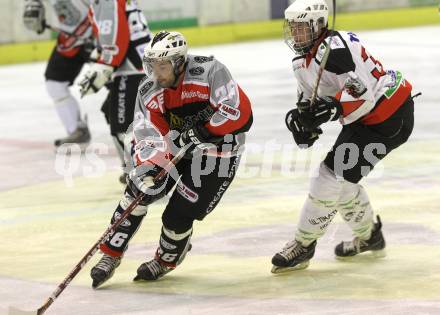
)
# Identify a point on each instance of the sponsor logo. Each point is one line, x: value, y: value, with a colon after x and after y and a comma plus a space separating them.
x: 336, y: 43
x: 323, y: 219
x: 196, y: 71
x: 203, y: 59
x: 229, y: 112
x: 166, y: 245
x: 145, y: 88
x: 193, y: 94
x: 223, y: 187
x: 121, y: 99
x: 187, y: 193
x: 348, y: 216
x: 187, y: 122
x: 110, y: 49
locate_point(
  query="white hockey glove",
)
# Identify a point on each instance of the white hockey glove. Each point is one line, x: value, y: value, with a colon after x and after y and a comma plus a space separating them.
x: 34, y: 16
x: 95, y: 78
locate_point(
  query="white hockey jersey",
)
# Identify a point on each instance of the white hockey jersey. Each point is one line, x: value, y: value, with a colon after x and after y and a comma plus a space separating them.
x: 368, y: 93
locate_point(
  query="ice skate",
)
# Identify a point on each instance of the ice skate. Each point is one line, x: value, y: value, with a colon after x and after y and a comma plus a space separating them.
x: 80, y: 136
x: 152, y: 270
x: 104, y: 269
x: 294, y: 256
x: 375, y: 244
x: 123, y: 178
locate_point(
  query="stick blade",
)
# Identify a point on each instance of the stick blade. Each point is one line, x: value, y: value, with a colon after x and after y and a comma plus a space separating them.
x: 16, y: 311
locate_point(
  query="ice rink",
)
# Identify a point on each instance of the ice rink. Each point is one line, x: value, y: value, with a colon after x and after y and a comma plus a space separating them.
x: 48, y: 221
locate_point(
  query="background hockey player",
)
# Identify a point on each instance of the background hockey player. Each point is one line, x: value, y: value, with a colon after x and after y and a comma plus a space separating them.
x: 375, y: 108
x: 72, y: 50
x: 185, y: 101
x: 122, y: 33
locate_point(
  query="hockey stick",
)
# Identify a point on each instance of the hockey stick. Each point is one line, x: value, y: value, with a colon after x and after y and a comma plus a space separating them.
x: 110, y: 230
x: 58, y: 30
x: 324, y: 59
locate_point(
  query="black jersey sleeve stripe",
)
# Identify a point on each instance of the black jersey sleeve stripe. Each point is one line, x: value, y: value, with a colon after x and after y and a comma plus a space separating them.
x: 340, y: 60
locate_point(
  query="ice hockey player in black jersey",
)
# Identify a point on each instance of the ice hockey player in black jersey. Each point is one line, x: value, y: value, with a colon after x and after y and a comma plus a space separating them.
x: 375, y: 108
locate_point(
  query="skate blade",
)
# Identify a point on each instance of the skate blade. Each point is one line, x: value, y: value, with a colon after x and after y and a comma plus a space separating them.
x: 279, y: 270
x: 370, y: 254
x: 71, y: 148
x: 96, y: 285
x: 15, y: 311
x: 378, y: 253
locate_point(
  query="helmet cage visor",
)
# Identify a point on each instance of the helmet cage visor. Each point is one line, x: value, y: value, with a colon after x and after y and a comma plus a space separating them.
x: 299, y: 36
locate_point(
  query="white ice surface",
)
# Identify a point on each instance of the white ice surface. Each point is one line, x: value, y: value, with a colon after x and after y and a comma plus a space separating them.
x: 44, y: 232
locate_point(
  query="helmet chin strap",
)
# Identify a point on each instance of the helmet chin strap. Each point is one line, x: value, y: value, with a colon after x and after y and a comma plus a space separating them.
x: 178, y: 73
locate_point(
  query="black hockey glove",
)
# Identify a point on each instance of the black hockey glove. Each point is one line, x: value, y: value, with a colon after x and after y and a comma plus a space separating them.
x: 303, y: 138
x: 34, y: 16
x: 325, y: 109
x: 198, y: 137
x: 141, y: 179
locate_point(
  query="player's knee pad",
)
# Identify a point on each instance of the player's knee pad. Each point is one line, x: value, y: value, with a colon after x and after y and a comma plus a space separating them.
x: 118, y: 241
x: 177, y: 220
x: 173, y: 246
x: 320, y: 206
x: 325, y: 186
x: 355, y: 208
x: 58, y: 91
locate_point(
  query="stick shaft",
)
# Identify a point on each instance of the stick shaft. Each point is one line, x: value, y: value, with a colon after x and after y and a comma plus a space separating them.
x: 110, y: 230
x: 324, y: 60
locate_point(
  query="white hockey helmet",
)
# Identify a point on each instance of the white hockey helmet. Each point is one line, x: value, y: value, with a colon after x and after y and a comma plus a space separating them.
x: 166, y: 46
x: 312, y: 12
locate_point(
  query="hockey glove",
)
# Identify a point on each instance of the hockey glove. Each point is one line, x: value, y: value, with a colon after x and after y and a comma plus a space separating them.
x: 141, y: 179
x: 34, y: 16
x: 303, y: 138
x: 325, y: 109
x: 95, y: 78
x: 198, y: 137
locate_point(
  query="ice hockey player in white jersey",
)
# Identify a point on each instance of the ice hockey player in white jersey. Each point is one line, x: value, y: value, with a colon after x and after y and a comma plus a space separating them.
x: 376, y: 110
x: 72, y: 50
x: 195, y: 99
